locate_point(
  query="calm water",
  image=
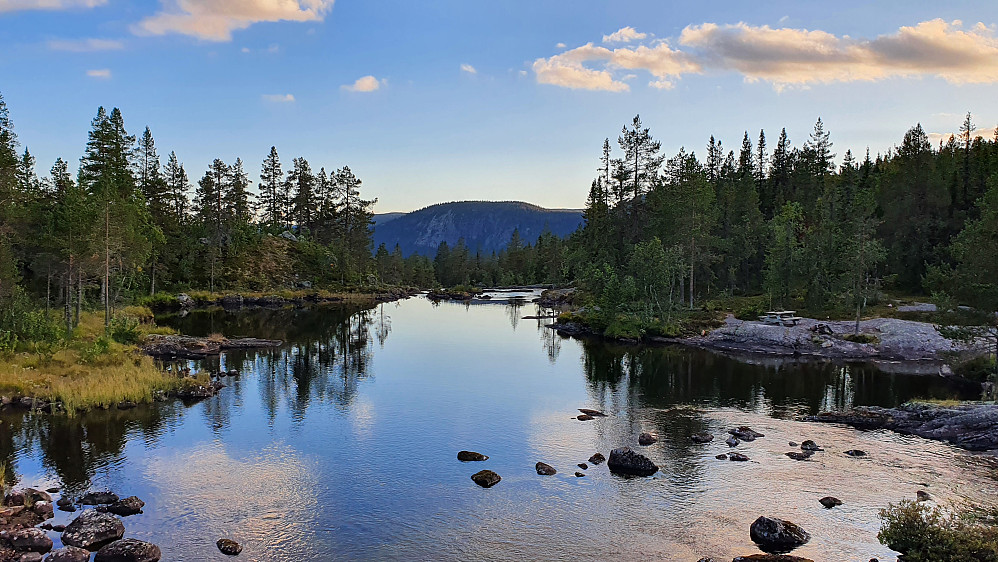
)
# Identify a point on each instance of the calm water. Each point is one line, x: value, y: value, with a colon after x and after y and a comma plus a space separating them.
x: 342, y: 444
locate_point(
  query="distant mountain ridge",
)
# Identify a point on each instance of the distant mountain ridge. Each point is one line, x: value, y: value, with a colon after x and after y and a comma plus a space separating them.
x: 485, y: 225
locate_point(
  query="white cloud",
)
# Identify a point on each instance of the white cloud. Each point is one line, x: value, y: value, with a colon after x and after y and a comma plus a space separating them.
x: 986, y: 134
x: 560, y: 46
x: 279, y: 98
x: 245, y: 49
x: 363, y: 84
x: 215, y: 20
x: 624, y: 35
x: 468, y: 68
x: 784, y: 56
x: 101, y: 73
x: 85, y: 45
x: 17, y: 5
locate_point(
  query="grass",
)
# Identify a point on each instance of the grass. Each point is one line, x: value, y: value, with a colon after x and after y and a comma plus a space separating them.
x: 90, y: 370
x: 924, y: 533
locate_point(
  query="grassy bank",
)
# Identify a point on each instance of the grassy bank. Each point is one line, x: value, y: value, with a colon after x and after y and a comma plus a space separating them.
x: 923, y: 533
x: 359, y: 294
x: 92, y: 369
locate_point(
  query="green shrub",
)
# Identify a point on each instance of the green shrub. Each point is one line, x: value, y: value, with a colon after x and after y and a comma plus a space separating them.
x: 8, y: 344
x: 160, y: 301
x: 624, y: 327
x: 925, y: 534
x: 861, y: 338
x: 125, y: 329
x: 95, y: 351
x: 978, y: 369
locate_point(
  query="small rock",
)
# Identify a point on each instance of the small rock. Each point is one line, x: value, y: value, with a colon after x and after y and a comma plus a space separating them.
x: 598, y: 458
x: 746, y: 433
x: 721, y: 457
x: 583, y: 466
x: 829, y: 502
x: 92, y: 529
x: 584, y: 417
x: 856, y: 453
x: 58, y: 528
x: 579, y: 474
x: 126, y: 405
x: 14, y: 498
x: 810, y: 446
x: 732, y: 441
x: 128, y: 506
x: 30, y: 557
x: 771, y: 558
x: 776, y: 536
x: 544, y: 469
x: 594, y: 413
x: 128, y: 550
x: 468, y: 456
x: 626, y: 461
x: 702, y: 437
x: 737, y: 457
x: 646, y: 439
x: 486, y: 478
x: 64, y: 501
x: 31, y: 539
x: 34, y: 495
x: 923, y: 496
x: 800, y: 455
x: 43, y: 510
x: 229, y: 546
x: 69, y: 554
x: 794, y: 444
x: 52, y: 490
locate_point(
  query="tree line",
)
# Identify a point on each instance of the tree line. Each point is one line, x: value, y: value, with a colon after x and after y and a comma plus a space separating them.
x: 128, y: 225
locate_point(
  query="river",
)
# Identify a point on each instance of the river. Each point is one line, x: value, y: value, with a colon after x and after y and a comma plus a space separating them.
x: 342, y: 444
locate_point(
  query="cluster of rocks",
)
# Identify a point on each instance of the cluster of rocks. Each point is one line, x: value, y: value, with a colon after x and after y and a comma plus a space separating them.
x: 174, y: 346
x: 31, y: 403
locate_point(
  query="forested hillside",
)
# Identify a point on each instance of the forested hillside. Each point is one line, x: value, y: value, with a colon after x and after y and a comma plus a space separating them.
x: 485, y: 226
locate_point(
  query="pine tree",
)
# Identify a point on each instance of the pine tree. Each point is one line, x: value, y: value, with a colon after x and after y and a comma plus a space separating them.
x: 304, y: 200
x: 238, y: 209
x: 271, y: 202
x: 177, y: 188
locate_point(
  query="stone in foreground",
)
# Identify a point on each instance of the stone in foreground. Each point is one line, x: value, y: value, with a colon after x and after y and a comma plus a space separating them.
x: 69, y: 554
x: 486, y: 478
x: 468, y: 456
x: 776, y: 536
x: 544, y: 469
x: 626, y: 461
x: 128, y: 550
x: 93, y: 529
x: 125, y: 507
x: 229, y: 546
x: 30, y: 539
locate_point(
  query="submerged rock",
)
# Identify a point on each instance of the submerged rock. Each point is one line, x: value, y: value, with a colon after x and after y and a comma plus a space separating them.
x: 129, y: 550
x: 583, y: 466
x: 69, y: 554
x: 856, y: 453
x: 98, y: 498
x: 737, y: 457
x: 229, y: 546
x: 579, y: 474
x: 594, y: 413
x: 486, y: 478
x: 648, y: 439
x: 829, y: 502
x: 776, y: 536
x: 922, y: 496
x: 544, y: 469
x: 93, y: 529
x: 626, y: 461
x: 702, y: 437
x: 732, y: 441
x: 721, y: 457
x: 746, y: 433
x: 470, y: 456
x: 810, y: 446
x: 596, y: 459
x: 800, y: 455
x: 125, y: 507
x: 584, y: 417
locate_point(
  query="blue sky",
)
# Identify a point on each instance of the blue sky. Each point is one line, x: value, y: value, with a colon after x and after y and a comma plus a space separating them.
x: 487, y: 100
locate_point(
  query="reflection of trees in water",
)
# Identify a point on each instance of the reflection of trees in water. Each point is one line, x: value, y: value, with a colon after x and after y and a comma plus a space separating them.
x: 665, y: 377
x: 513, y: 307
x: 77, y: 449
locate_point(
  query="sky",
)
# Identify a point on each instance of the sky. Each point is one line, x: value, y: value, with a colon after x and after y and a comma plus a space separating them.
x: 432, y: 100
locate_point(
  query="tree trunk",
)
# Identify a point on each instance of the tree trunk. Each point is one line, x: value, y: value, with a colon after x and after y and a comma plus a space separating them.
x: 79, y: 296
x: 68, y: 304
x: 107, y: 267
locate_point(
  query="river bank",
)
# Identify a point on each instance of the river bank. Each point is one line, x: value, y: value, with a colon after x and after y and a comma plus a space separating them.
x: 298, y: 298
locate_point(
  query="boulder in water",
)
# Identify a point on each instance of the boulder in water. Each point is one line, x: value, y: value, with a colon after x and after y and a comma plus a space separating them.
x: 856, y: 453
x: 598, y: 458
x: 544, y: 469
x: 128, y: 550
x: 30, y: 539
x: 646, y: 439
x: 93, y: 529
x: 702, y: 437
x: 69, y: 554
x: 626, y: 461
x: 229, y: 546
x: 745, y: 433
x: 98, y: 498
x: 594, y: 413
x: 732, y: 441
x: 776, y: 536
x: 737, y: 457
x: 829, y: 502
x: 800, y: 455
x: 486, y: 478
x: 810, y: 446
x: 469, y: 456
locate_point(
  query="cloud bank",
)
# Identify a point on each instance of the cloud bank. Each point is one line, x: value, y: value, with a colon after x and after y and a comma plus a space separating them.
x: 468, y: 68
x: 101, y: 73
x: 85, y: 45
x: 19, y: 5
x: 784, y: 57
x: 215, y: 20
x: 279, y: 98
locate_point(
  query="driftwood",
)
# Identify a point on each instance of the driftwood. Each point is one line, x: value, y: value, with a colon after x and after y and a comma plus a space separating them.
x: 190, y: 347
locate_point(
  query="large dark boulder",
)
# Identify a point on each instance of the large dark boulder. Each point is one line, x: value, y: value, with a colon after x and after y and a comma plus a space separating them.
x: 544, y: 469
x: 229, y: 547
x: 626, y: 461
x: 30, y: 539
x: 776, y: 536
x: 745, y: 433
x: 93, y: 529
x: 646, y: 439
x: 486, y: 478
x: 125, y: 507
x: 69, y: 554
x: 597, y: 458
x: 98, y: 498
x: 702, y: 437
x: 128, y: 550
x: 829, y: 502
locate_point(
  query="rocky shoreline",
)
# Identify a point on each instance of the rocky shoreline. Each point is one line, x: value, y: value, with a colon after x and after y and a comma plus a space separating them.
x: 191, y: 347
x: 970, y: 426
x: 917, y: 344
x: 236, y: 301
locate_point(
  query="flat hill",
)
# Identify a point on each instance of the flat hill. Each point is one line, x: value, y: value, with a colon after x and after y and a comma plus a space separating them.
x: 484, y: 225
